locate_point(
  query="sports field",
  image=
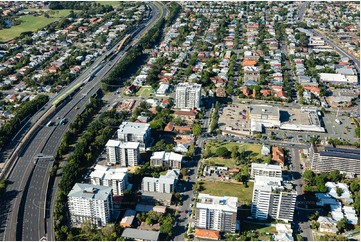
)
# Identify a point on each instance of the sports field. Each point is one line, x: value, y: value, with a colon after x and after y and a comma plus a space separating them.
x: 31, y: 23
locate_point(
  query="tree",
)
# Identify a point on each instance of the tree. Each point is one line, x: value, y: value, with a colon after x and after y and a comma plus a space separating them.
x: 207, y: 152
x: 222, y: 152
x: 335, y: 176
x: 342, y: 225
x: 339, y: 191
x: 308, y: 175
x: 197, y: 129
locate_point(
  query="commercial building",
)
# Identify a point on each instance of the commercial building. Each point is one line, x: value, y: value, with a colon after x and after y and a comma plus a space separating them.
x: 125, y: 154
x: 116, y: 178
x: 335, y: 79
x: 163, y: 184
x: 216, y: 213
x: 265, y: 170
x: 89, y: 202
x: 266, y: 115
x: 168, y: 159
x: 326, y: 159
x: 135, y: 132
x: 188, y: 96
x: 271, y: 200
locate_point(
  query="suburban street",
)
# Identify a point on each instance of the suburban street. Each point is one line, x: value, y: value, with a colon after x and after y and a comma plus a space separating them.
x: 28, y: 181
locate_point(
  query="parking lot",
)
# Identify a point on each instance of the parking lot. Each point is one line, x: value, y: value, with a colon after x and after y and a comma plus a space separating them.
x: 235, y: 118
x: 339, y: 130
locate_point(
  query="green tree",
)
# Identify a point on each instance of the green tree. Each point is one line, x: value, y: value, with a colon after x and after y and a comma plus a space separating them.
x: 197, y: 129
x: 339, y: 191
x: 222, y: 152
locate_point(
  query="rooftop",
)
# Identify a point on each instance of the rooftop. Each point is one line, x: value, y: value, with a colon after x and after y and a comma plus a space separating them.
x: 139, y: 234
x: 264, y: 109
x: 218, y: 203
x: 134, y: 128
x: 90, y: 192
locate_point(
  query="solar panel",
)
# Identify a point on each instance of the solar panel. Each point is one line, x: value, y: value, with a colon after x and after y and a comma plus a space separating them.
x: 332, y: 149
x: 342, y: 155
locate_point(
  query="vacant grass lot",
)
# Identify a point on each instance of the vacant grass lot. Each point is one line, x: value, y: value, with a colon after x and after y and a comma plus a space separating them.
x: 31, y: 23
x: 228, y: 189
x: 253, y: 150
x: 261, y: 229
x: 111, y: 3
x: 144, y: 92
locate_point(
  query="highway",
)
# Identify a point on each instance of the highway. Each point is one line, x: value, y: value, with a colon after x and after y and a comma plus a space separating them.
x: 24, y: 205
x: 338, y: 49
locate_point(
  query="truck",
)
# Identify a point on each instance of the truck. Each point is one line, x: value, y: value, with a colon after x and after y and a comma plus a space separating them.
x: 338, y: 121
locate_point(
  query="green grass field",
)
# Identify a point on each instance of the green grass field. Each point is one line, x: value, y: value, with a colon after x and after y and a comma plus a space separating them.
x: 31, y: 23
x: 261, y: 229
x: 144, y: 92
x: 228, y: 189
x: 230, y: 163
x: 111, y: 3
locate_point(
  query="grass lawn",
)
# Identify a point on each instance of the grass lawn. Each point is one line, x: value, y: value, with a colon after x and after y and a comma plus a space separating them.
x: 228, y: 189
x: 111, y: 3
x: 261, y: 229
x: 30, y: 23
x: 230, y: 163
x: 144, y: 92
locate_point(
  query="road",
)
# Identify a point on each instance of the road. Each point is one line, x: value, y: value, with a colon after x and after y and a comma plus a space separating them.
x: 301, y: 221
x: 338, y: 49
x: 24, y: 205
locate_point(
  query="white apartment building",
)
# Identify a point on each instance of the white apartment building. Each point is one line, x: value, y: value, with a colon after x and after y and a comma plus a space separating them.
x: 125, y: 154
x: 135, y: 132
x: 116, y: 178
x: 170, y: 159
x: 265, y: 170
x: 163, y: 184
x: 188, y: 95
x: 90, y: 202
x: 216, y: 213
x: 271, y: 200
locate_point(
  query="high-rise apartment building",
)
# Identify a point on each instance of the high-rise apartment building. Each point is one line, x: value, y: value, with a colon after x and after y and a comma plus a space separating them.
x: 271, y: 199
x: 265, y: 170
x: 125, y: 154
x: 188, y: 96
x: 169, y: 159
x: 163, y: 184
x: 135, y: 132
x: 89, y: 202
x: 216, y: 213
x: 116, y: 178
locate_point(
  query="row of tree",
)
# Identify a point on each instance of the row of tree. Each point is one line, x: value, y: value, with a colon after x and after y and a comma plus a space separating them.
x: 26, y: 110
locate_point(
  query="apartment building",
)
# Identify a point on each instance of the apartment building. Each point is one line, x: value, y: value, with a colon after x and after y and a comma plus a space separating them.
x: 251, y: 73
x: 89, y: 202
x: 125, y: 154
x: 216, y: 213
x: 168, y: 159
x: 163, y: 184
x: 188, y: 96
x: 271, y: 199
x: 265, y: 170
x: 135, y: 132
x: 116, y: 178
x: 326, y: 159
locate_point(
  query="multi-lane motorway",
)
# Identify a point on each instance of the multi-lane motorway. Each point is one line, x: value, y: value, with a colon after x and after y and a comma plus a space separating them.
x: 25, y: 198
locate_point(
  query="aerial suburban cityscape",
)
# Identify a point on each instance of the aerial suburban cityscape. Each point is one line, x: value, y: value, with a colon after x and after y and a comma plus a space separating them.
x: 180, y: 120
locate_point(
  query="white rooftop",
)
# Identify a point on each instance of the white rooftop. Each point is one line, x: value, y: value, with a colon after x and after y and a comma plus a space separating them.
x: 266, y: 183
x: 107, y: 173
x: 113, y: 143
x: 166, y: 156
x: 267, y: 167
x: 90, y: 192
x: 218, y: 203
x: 133, y: 128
